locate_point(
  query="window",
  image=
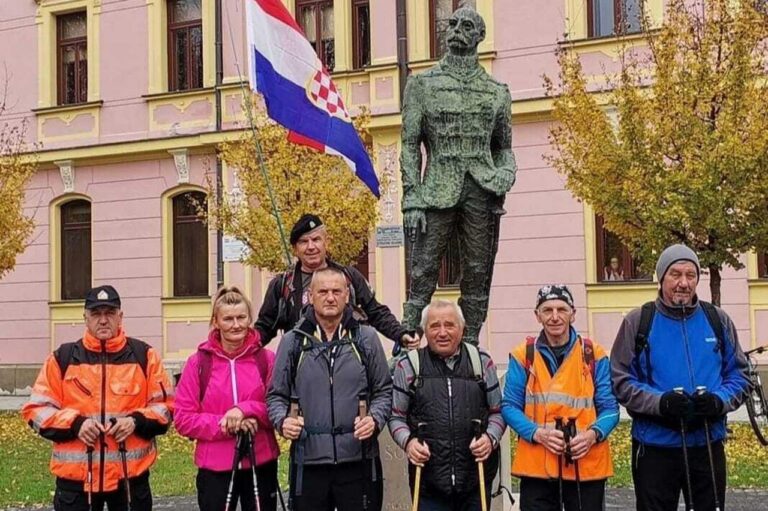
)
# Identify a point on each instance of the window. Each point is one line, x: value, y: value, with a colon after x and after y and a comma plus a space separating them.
x: 361, y: 34
x: 190, y: 246
x: 362, y: 261
x: 72, y: 46
x: 439, y: 14
x: 614, y: 261
x: 610, y: 17
x: 762, y: 266
x: 315, y: 17
x: 75, y: 249
x: 185, y: 45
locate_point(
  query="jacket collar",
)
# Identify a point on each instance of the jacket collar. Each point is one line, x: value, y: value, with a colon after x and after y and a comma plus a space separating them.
x: 213, y: 344
x: 309, y: 326
x: 112, y: 345
x: 676, y: 311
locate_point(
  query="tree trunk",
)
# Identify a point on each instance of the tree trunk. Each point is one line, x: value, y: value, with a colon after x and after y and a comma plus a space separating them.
x: 714, y: 283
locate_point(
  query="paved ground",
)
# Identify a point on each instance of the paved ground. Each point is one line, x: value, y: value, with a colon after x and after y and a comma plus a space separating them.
x: 618, y: 499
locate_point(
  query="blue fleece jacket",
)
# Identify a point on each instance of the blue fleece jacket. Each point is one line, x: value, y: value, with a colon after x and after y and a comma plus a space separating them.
x: 513, y: 402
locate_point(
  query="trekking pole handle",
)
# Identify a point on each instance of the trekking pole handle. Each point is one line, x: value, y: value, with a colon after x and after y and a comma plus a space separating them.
x: 701, y: 389
x: 362, y: 405
x: 420, y: 427
x: 477, y: 428
x: 293, y: 407
x: 678, y: 390
x: 120, y: 445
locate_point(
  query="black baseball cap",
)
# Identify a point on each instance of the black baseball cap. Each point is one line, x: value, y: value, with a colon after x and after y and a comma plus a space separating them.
x: 102, y: 296
x: 303, y: 225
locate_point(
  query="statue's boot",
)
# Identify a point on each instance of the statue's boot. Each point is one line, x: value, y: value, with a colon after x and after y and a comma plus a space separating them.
x: 475, y: 312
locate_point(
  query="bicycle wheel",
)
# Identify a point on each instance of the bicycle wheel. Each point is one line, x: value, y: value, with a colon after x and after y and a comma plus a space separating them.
x: 757, y: 409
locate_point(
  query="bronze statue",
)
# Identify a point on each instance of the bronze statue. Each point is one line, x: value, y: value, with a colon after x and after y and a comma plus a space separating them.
x: 463, y: 118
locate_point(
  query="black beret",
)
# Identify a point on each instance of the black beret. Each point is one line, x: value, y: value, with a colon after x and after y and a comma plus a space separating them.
x: 307, y: 222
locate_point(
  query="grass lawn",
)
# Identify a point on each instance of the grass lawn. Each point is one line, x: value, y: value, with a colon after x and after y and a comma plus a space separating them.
x: 25, y: 480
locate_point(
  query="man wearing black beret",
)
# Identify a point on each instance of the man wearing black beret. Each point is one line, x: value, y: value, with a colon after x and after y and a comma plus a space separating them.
x: 288, y: 293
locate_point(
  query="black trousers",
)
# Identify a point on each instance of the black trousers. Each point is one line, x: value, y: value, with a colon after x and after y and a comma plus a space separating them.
x: 71, y: 496
x: 544, y: 495
x: 212, y: 488
x: 430, y: 500
x: 659, y: 477
x: 340, y: 487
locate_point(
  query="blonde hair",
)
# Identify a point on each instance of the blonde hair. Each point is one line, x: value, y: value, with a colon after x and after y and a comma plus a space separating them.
x: 229, y: 295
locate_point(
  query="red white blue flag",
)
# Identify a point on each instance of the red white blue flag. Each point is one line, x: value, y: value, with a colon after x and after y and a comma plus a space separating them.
x: 298, y: 90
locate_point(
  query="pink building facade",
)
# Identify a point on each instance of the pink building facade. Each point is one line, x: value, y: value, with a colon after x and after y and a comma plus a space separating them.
x: 125, y: 136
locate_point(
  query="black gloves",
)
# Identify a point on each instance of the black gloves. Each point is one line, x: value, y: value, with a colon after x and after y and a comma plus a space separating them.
x: 707, y: 405
x: 676, y: 406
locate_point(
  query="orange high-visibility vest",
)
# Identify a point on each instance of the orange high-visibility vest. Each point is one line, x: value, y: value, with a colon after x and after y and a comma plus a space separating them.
x: 108, y: 382
x: 568, y: 393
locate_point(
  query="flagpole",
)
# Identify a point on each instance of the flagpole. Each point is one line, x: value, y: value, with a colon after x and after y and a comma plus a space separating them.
x: 259, y: 151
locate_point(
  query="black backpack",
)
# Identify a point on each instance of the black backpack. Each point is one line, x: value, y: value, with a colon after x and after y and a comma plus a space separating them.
x: 648, y: 310
x: 64, y: 353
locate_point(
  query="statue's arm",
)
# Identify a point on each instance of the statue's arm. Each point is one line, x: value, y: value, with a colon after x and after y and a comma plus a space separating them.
x: 411, y: 135
x: 501, y: 146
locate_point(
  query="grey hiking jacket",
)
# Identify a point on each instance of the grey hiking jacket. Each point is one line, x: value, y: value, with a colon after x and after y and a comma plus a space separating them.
x: 330, y: 378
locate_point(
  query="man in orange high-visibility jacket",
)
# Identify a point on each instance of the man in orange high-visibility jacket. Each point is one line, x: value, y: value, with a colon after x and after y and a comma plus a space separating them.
x: 101, y: 400
x: 555, y: 379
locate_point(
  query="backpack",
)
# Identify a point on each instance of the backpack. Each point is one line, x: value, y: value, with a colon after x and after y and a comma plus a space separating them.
x: 588, y: 349
x: 63, y: 354
x: 648, y: 310
x: 474, y: 358
x: 205, y: 365
x: 305, y: 345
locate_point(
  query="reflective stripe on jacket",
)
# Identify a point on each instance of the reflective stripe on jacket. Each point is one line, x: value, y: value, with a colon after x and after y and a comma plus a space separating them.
x: 569, y: 392
x: 103, y: 380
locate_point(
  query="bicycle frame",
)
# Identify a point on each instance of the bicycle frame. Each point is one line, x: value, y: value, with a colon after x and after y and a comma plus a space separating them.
x: 757, y: 406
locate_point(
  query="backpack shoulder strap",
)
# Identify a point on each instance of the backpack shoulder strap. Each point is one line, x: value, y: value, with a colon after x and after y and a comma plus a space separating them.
x: 204, y: 366
x: 588, y: 349
x: 715, y: 322
x: 261, y: 365
x: 647, y: 312
x: 530, y: 351
x: 474, y: 358
x: 303, y: 344
x: 413, y: 359
x: 140, y: 349
x: 63, y: 355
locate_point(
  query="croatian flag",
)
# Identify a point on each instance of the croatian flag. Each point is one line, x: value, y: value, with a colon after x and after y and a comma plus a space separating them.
x: 298, y: 90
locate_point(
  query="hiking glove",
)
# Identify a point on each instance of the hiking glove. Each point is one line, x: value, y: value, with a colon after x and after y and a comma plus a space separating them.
x: 676, y: 405
x: 706, y: 404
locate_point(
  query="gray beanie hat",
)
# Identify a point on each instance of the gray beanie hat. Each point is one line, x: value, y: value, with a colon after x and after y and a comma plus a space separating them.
x: 673, y: 254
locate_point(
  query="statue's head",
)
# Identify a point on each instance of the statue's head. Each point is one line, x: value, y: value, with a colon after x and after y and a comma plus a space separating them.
x: 466, y: 29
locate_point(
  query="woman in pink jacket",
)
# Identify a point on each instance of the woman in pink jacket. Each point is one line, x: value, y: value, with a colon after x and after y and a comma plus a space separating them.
x: 221, y: 393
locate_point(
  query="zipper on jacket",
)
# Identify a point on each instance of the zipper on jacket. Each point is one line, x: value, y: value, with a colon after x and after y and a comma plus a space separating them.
x: 82, y: 387
x: 103, y: 447
x: 688, y: 352
x: 450, y: 426
x: 331, y: 363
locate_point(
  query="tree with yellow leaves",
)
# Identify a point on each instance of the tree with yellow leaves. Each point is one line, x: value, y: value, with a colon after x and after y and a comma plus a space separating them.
x: 303, y: 181
x: 17, y: 165
x: 685, y: 160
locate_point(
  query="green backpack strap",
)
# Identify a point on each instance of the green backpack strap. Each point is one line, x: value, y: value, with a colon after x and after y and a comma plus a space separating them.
x: 413, y: 359
x: 474, y: 357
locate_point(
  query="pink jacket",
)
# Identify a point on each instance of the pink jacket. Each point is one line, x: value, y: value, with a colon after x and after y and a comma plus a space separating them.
x: 234, y: 381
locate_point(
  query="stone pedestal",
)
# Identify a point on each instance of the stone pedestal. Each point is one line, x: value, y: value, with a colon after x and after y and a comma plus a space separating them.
x: 397, y: 495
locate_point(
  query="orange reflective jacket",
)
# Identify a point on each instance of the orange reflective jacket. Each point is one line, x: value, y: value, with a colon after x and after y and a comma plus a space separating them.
x: 568, y: 393
x: 102, y: 380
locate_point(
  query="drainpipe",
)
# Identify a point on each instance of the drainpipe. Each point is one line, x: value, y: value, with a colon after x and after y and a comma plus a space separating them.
x: 219, y: 170
x: 402, y: 46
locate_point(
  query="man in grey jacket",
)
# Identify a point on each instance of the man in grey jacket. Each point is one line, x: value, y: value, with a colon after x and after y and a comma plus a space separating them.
x: 334, y: 371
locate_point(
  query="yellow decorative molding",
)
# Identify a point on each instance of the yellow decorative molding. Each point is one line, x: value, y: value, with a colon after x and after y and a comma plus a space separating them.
x: 758, y: 301
x: 621, y: 298
x: 64, y: 313
x: 67, y: 114
x: 753, y: 270
x: 185, y: 311
x: 181, y: 101
x: 418, y: 29
x: 46, y: 50
x: 54, y: 246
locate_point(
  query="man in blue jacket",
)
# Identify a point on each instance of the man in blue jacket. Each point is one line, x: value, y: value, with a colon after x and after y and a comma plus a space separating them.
x: 677, y: 367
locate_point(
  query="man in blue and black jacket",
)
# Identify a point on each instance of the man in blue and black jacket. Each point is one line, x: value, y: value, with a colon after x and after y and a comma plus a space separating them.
x: 676, y: 365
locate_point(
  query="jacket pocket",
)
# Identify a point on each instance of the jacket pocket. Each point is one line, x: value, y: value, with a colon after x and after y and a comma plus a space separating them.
x: 124, y: 388
x: 74, y: 380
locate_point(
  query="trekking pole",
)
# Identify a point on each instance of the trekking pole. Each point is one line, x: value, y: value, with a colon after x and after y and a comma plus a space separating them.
x: 252, y: 459
x: 701, y: 390
x: 235, y: 461
x: 294, y: 483
x: 362, y: 412
x: 559, y: 427
x: 477, y: 425
x: 417, y: 483
x: 683, y: 433
x: 89, y: 481
x: 569, y: 435
x: 124, y: 461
